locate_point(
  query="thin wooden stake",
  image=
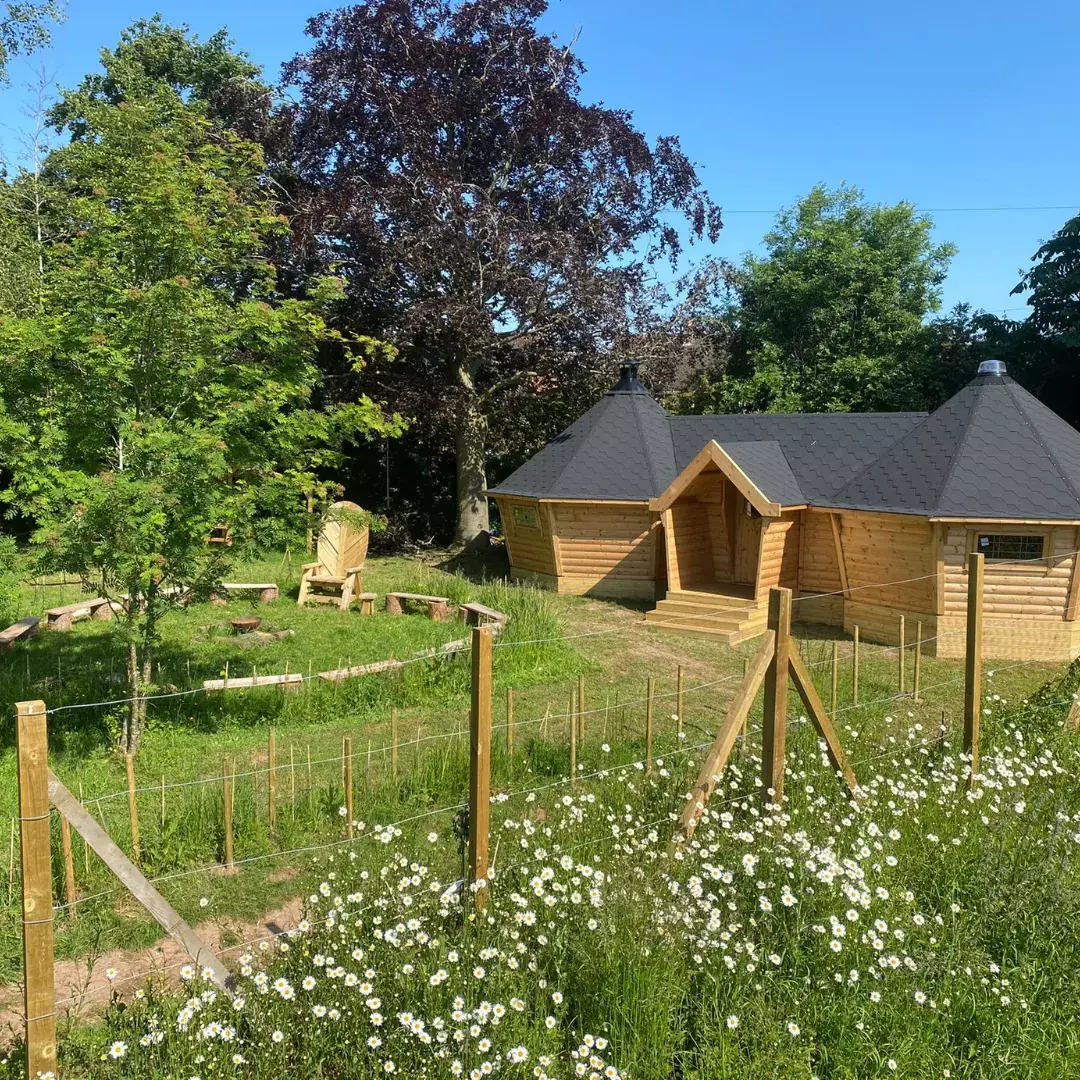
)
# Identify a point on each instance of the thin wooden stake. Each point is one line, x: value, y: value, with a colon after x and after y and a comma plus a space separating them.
x: 678, y: 701
x: 918, y: 661
x: 649, y: 688
x: 69, y: 864
x: 292, y: 777
x: 85, y: 846
x: 900, y: 659
x: 573, y: 738
x: 271, y: 778
x: 835, y: 674
x: 509, y: 722
x: 973, y: 662
x: 855, y: 665
x: 480, y: 764
x: 161, y: 792
x: 393, y: 741
x: 348, y: 783
x: 133, y: 810
x: 11, y: 863
x: 227, y: 793
x: 774, y: 719
x: 310, y: 781
x: 581, y: 706
x: 39, y: 987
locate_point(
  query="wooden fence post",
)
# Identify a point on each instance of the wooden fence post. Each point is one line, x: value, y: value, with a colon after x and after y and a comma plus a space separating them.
x: 573, y: 737
x: 649, y: 688
x: 900, y: 659
x: 347, y: 752
x: 855, y: 665
x: 11, y: 863
x: 774, y: 719
x: 581, y: 706
x: 973, y: 662
x: 678, y: 701
x: 835, y: 673
x: 480, y: 763
x: 69, y: 864
x: 133, y: 810
x: 39, y: 987
x: 918, y: 662
x: 509, y: 722
x: 161, y: 792
x: 393, y: 741
x: 227, y: 797
x: 271, y: 778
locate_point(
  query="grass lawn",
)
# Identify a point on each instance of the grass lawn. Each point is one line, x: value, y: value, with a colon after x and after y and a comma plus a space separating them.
x: 606, y: 643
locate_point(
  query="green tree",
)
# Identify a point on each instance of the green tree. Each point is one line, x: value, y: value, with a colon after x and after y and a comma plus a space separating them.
x: 832, y: 316
x: 24, y: 28
x: 163, y: 385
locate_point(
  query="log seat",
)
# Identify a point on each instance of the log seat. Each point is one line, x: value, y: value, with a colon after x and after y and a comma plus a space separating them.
x: 61, y: 618
x: 481, y: 615
x: 438, y: 606
x: 19, y: 631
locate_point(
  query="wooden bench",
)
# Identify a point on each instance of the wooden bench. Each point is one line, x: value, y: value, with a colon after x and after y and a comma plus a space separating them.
x: 23, y: 629
x: 480, y: 615
x: 438, y: 606
x: 61, y: 618
x: 268, y: 591
x: 367, y: 603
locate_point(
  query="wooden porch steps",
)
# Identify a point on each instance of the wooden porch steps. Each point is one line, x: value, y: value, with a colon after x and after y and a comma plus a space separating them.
x: 729, y: 619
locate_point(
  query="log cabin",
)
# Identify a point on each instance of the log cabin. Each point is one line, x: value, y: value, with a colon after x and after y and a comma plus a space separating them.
x: 865, y: 516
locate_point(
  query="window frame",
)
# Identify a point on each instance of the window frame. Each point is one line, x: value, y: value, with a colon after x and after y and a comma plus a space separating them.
x: 1040, y: 565
x: 533, y: 511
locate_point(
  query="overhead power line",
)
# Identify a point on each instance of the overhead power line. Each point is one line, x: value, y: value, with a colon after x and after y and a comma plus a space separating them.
x: 939, y: 209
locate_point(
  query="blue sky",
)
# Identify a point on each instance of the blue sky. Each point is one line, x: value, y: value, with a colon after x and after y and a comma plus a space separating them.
x: 953, y: 104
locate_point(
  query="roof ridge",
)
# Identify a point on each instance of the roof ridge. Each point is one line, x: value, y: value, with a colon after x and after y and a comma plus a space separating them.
x: 959, y: 442
x: 1009, y: 383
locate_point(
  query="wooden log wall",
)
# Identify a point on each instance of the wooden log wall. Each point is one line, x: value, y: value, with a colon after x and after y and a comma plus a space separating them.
x: 778, y: 563
x: 529, y: 546
x: 690, y: 558
x: 889, y: 548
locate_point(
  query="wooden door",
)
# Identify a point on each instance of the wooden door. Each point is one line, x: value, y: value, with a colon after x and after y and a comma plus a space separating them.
x: 747, y: 543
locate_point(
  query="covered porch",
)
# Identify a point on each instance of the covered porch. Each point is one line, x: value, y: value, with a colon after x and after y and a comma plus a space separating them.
x: 725, y: 545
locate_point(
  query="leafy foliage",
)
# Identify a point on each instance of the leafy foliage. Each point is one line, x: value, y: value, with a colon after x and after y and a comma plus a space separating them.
x: 486, y: 219
x: 163, y: 387
x: 832, y: 317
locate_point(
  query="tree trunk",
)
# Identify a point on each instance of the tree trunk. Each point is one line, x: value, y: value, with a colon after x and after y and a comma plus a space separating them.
x: 469, y: 449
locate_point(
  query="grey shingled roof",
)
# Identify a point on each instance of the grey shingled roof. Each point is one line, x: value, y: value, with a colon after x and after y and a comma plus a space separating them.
x: 765, y: 464
x: 823, y: 450
x: 992, y: 450
x: 620, y: 449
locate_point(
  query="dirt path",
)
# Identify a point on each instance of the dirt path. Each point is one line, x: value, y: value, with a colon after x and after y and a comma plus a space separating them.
x: 83, y: 988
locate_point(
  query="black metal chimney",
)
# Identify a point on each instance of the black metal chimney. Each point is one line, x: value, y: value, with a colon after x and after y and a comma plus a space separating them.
x: 628, y: 380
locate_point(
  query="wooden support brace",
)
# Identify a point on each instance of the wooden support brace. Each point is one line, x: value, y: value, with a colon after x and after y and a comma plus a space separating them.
x: 130, y: 876
x: 722, y: 745
x: 805, y: 686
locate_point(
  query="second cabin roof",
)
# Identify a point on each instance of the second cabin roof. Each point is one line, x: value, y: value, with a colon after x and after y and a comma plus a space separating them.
x: 992, y: 450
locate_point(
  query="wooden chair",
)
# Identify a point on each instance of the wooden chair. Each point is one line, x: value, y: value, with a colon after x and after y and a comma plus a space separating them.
x: 336, y: 577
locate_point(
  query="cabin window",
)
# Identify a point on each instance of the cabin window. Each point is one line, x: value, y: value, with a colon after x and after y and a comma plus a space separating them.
x: 525, y: 516
x: 1011, y: 547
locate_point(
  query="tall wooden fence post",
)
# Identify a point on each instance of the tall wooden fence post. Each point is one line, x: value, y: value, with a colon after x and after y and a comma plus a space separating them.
x: 573, y: 737
x: 347, y: 754
x: 649, y: 691
x: 133, y: 810
x: 39, y: 988
x: 774, y: 719
x: 509, y: 722
x: 678, y: 702
x: 480, y: 763
x: 835, y: 674
x: 227, y: 797
x: 973, y: 662
x: 69, y: 865
x: 900, y: 659
x: 918, y: 662
x: 271, y: 778
x: 855, y: 665
x: 581, y: 706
